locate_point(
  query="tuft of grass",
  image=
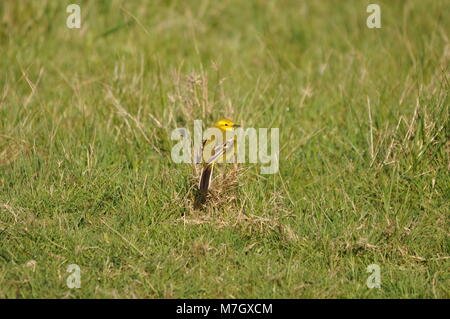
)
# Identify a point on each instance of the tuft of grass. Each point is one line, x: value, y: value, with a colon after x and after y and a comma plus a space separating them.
x: 86, y: 175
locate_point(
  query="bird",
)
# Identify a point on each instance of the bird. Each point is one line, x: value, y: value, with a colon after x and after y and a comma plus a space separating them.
x: 218, y: 154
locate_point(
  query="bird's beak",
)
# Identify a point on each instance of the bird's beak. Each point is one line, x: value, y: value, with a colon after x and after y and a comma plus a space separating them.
x: 236, y: 125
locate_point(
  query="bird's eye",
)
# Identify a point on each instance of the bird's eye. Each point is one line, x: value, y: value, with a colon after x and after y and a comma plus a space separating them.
x: 226, y: 124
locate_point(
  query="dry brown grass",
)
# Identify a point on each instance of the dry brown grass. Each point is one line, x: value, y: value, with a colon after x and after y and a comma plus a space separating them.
x: 11, y: 149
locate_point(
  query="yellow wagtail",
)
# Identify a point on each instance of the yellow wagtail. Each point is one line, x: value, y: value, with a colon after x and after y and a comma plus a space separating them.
x: 219, y: 152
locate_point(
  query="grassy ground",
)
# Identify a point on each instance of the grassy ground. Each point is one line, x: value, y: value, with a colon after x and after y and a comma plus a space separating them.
x: 86, y: 175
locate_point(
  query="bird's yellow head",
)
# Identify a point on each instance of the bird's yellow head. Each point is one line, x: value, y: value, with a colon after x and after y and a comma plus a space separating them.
x: 225, y: 124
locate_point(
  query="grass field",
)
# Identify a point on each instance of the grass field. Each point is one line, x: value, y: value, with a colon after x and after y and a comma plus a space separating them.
x: 86, y: 175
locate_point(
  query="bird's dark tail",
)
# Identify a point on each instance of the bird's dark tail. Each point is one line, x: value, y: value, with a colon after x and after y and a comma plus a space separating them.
x: 205, y: 179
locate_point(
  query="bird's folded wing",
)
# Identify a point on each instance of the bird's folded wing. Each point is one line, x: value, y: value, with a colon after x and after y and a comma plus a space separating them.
x: 219, y: 150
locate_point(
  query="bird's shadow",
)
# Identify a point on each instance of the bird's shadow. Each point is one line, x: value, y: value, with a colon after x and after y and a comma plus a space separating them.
x: 200, y: 199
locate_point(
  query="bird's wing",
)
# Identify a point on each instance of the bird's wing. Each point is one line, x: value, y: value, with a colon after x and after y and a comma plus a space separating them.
x: 219, y: 150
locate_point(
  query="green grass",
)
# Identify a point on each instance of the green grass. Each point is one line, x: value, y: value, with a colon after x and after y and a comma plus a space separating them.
x: 86, y: 175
